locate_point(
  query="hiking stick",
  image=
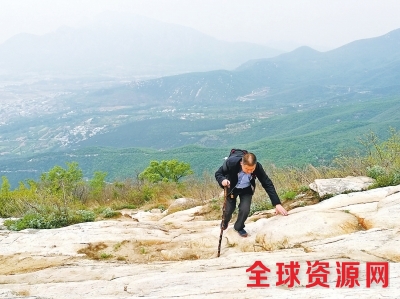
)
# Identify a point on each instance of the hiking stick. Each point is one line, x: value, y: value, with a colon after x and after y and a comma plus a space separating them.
x: 223, y: 218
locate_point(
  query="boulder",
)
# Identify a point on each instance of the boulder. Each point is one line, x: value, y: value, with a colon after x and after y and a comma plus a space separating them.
x: 181, y: 204
x: 337, y: 186
x: 143, y: 216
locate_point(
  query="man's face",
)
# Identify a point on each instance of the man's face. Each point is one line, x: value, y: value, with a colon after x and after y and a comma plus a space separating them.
x: 247, y: 169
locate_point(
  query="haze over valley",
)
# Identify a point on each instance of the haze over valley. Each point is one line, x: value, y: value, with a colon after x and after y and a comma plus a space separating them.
x: 107, y: 93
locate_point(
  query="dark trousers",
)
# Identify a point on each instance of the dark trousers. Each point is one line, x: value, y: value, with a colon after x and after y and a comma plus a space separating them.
x: 245, y: 196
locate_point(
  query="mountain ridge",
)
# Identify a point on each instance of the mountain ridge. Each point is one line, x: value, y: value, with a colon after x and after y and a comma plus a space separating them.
x: 116, y: 44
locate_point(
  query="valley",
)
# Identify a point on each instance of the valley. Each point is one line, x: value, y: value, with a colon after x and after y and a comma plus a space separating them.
x: 298, y: 108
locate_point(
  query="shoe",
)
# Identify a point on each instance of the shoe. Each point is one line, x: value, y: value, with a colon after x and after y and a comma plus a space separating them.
x: 242, y: 233
x: 223, y: 226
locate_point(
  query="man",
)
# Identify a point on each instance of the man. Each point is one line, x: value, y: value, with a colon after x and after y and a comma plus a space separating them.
x: 239, y: 174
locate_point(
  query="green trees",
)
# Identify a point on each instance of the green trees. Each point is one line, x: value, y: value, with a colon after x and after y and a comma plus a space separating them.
x: 5, y: 187
x: 50, y: 203
x: 97, y: 183
x: 166, y: 171
x: 62, y: 181
x: 4, y: 196
x: 62, y: 197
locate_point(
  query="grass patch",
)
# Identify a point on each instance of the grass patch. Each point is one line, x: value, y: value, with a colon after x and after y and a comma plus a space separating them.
x: 105, y: 256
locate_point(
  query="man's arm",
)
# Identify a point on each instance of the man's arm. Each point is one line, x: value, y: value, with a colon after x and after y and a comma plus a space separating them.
x: 267, y: 184
x: 270, y: 189
x: 220, y: 176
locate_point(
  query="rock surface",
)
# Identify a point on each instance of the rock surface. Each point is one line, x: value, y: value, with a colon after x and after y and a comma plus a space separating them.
x: 337, y: 186
x: 155, y: 255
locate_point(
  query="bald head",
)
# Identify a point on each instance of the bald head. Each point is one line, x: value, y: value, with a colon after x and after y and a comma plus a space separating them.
x: 249, y: 159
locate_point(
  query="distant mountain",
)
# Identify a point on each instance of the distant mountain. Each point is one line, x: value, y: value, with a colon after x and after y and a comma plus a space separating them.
x: 115, y: 44
x: 298, y: 77
x: 362, y: 63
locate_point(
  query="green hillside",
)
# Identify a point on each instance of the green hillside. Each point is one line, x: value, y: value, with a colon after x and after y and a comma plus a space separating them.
x: 315, y: 137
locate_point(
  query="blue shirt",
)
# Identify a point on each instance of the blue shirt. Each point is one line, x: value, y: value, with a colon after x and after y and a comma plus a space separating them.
x: 243, y: 180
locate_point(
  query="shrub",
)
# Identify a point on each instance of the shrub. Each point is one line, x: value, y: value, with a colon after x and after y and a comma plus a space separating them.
x: 37, y: 221
x: 396, y: 178
x: 304, y: 188
x: 290, y: 195
x: 86, y: 216
x: 49, y: 220
x: 386, y: 179
x: 109, y: 213
x: 376, y: 171
x: 257, y: 206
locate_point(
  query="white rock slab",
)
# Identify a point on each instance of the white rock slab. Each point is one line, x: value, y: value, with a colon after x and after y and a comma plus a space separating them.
x: 336, y: 186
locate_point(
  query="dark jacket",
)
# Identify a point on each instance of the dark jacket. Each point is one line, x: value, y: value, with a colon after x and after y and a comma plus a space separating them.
x: 233, y: 169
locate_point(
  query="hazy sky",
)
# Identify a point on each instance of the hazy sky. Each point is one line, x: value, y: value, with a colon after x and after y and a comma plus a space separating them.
x: 321, y: 24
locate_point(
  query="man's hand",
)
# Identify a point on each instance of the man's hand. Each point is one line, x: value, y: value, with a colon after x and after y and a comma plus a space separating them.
x: 226, y: 183
x: 280, y: 210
